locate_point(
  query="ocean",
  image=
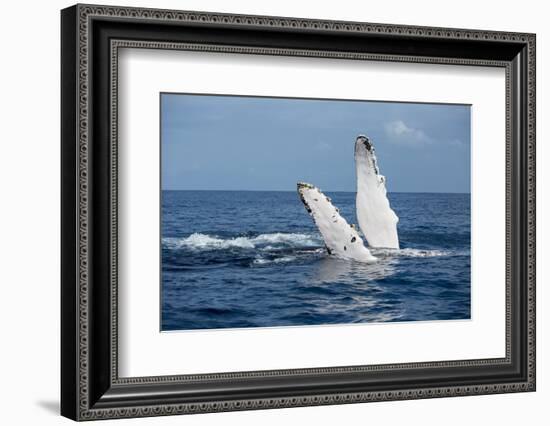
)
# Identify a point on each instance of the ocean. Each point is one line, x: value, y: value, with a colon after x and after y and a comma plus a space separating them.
x: 234, y: 259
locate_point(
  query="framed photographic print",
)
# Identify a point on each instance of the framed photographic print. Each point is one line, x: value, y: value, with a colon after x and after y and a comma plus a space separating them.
x: 263, y: 212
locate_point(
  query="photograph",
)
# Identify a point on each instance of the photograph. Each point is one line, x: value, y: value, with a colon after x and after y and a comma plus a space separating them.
x: 279, y: 211
x: 264, y: 209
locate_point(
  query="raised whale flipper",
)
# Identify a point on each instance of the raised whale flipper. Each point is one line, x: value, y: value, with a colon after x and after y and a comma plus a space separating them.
x: 341, y: 239
x: 377, y: 220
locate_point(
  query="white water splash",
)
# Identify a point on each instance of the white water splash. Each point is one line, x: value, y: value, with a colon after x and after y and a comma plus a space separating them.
x: 263, y: 261
x: 410, y: 252
x: 198, y: 241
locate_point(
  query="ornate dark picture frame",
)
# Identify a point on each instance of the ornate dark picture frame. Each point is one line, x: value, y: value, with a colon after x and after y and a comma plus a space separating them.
x: 90, y: 38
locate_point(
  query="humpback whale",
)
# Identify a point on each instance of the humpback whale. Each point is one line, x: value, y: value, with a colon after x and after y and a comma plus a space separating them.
x: 341, y: 239
x: 377, y: 221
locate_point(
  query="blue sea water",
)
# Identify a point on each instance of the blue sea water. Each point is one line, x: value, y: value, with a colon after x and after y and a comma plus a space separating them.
x: 233, y: 259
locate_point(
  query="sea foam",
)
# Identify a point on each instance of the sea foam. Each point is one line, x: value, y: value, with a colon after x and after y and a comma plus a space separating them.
x: 410, y: 252
x: 270, y: 241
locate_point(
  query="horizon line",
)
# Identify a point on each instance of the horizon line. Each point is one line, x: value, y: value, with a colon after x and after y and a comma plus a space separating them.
x: 324, y: 190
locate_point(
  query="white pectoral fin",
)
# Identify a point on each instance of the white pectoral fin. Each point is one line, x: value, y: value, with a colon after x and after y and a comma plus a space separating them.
x: 341, y: 239
x: 377, y: 220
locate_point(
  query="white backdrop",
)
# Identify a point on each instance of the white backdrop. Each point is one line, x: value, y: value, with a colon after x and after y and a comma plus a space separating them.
x: 29, y: 225
x: 143, y: 351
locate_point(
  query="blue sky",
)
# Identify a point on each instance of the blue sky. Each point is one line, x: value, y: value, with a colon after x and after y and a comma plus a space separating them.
x: 247, y: 143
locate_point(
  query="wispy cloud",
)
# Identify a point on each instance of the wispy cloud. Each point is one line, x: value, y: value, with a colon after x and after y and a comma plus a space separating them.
x: 398, y: 132
x: 456, y: 142
x: 323, y: 146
